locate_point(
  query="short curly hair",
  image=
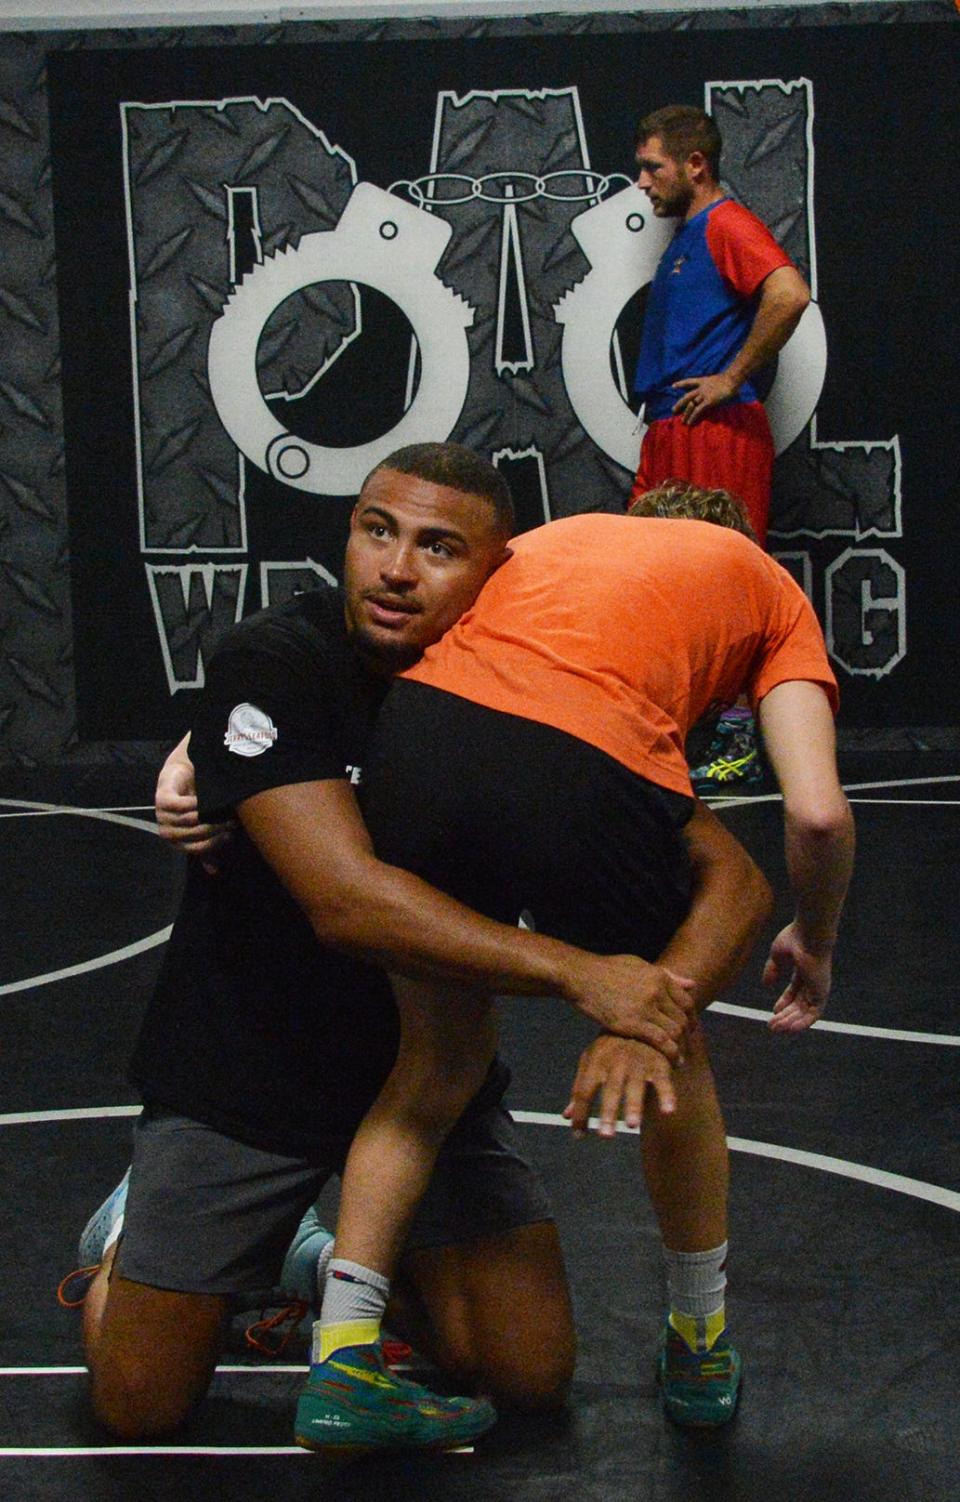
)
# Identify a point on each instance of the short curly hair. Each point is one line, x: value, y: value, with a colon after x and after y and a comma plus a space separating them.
x: 679, y: 499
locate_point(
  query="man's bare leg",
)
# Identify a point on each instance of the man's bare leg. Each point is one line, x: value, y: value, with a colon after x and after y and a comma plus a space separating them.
x: 447, y: 1040
x: 351, y: 1400
x: 151, y: 1352
x: 493, y: 1314
x: 687, y: 1171
x: 685, y: 1158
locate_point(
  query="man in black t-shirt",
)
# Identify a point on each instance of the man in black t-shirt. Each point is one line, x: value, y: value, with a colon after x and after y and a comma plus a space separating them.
x: 261, y: 1051
x: 245, y: 982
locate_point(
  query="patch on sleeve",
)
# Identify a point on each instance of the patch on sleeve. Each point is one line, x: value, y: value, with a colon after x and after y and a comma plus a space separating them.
x: 250, y: 731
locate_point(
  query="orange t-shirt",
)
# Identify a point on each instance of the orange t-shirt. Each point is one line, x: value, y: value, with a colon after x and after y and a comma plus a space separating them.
x: 624, y: 631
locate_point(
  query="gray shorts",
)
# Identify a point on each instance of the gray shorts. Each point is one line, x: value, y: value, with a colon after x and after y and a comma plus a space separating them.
x: 208, y: 1214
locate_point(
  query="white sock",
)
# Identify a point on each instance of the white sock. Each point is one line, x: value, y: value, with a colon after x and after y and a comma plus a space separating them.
x: 323, y: 1264
x: 696, y: 1284
x: 354, y: 1300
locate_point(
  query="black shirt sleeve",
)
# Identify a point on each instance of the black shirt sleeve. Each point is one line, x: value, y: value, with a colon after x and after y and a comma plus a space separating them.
x: 270, y: 715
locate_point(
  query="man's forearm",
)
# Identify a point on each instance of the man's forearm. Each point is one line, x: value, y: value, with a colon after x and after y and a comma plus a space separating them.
x: 394, y: 919
x: 731, y: 902
x: 819, y: 858
x: 783, y: 298
x: 357, y: 903
x: 798, y: 732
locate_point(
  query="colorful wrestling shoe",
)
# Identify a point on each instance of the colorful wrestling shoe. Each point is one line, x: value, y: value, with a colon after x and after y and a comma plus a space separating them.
x: 354, y: 1404
x: 104, y: 1226
x: 699, y: 1388
x: 732, y: 761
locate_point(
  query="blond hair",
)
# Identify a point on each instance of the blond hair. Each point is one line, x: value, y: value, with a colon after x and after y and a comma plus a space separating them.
x: 679, y: 499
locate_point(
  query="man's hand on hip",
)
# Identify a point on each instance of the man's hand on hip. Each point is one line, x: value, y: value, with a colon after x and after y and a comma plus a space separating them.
x: 701, y: 394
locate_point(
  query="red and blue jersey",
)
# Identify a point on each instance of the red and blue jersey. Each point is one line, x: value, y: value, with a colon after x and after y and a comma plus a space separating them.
x: 702, y: 302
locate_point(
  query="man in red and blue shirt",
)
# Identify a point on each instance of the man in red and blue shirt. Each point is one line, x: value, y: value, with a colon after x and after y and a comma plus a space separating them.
x: 724, y: 300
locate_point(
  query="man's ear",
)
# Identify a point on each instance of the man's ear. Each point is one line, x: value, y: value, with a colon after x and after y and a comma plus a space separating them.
x: 501, y: 559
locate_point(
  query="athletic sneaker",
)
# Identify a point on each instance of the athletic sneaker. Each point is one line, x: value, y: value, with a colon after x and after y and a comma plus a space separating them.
x: 298, y: 1276
x: 732, y: 761
x: 699, y: 1388
x: 353, y: 1404
x: 104, y: 1226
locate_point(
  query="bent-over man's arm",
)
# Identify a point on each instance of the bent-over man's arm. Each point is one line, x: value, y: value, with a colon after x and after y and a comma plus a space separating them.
x: 798, y: 733
x: 732, y: 900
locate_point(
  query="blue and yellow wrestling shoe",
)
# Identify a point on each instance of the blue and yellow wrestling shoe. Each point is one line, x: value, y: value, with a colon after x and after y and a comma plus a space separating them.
x: 699, y: 1388
x: 354, y: 1404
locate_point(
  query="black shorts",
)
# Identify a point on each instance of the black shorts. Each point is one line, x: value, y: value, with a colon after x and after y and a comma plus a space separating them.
x: 512, y: 816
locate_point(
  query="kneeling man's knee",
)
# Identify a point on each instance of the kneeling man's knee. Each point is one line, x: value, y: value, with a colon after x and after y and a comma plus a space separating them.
x: 529, y: 1370
x: 135, y: 1403
x: 152, y: 1356
x: 531, y: 1385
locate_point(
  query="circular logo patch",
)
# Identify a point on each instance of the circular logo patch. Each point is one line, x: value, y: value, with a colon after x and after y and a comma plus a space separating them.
x: 250, y: 731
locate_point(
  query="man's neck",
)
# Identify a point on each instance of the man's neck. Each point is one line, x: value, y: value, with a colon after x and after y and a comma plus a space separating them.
x: 702, y: 198
x: 374, y: 664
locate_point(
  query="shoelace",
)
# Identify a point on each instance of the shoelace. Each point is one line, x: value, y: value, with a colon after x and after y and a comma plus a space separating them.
x: 89, y: 1273
x: 258, y: 1336
x: 268, y: 1336
x: 697, y: 1366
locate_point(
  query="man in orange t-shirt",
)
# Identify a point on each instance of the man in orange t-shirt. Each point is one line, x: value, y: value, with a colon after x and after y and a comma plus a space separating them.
x: 624, y: 631
x: 533, y: 759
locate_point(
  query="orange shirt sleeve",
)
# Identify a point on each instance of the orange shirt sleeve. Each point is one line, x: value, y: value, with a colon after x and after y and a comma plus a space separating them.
x: 794, y: 647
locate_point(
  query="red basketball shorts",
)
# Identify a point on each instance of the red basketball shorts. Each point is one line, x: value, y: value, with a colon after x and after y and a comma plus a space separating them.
x: 732, y: 449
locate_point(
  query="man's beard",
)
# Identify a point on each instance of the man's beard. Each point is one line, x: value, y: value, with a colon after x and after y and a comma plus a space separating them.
x: 384, y: 657
x: 674, y: 205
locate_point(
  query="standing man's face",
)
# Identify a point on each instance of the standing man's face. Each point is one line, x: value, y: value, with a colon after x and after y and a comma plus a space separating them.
x: 417, y: 557
x: 664, y: 180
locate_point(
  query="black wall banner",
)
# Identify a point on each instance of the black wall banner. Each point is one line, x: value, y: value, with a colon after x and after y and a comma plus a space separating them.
x: 277, y: 263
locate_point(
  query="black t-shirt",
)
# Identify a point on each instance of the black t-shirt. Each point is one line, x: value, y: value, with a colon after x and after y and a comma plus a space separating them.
x: 255, y: 1028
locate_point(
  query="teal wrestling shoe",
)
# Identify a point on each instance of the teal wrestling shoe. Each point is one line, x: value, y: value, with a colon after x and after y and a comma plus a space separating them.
x: 699, y: 1388
x: 353, y: 1404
